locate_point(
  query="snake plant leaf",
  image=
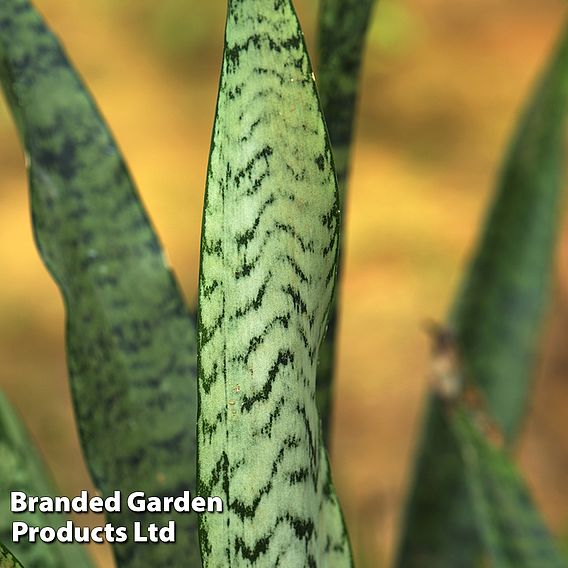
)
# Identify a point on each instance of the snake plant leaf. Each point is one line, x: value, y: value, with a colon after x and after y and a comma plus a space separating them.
x: 130, y: 341
x: 499, y: 313
x: 7, y: 559
x: 22, y: 469
x: 268, y: 261
x: 496, y: 320
x: 513, y: 533
x: 342, y: 32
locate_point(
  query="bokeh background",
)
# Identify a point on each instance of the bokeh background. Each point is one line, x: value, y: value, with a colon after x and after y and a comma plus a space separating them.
x: 442, y: 87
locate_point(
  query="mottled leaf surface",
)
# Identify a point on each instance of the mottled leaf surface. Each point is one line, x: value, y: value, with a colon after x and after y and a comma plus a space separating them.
x: 7, y: 559
x: 497, y: 320
x: 512, y: 530
x: 22, y: 469
x: 130, y: 340
x: 268, y: 261
x: 342, y: 33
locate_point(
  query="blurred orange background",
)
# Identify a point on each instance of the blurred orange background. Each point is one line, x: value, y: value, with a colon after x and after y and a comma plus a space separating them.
x: 442, y: 87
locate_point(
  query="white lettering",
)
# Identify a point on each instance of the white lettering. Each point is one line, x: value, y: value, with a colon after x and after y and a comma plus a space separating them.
x: 18, y: 529
x: 214, y: 505
x: 136, y: 502
x: 18, y: 502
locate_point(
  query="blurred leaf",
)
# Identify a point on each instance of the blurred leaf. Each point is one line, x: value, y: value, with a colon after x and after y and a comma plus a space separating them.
x: 395, y: 28
x: 21, y: 469
x: 183, y: 29
x: 268, y: 260
x: 182, y: 33
x: 342, y: 31
x: 497, y: 321
x: 499, y: 312
x: 130, y: 340
x: 7, y: 559
x: 511, y: 528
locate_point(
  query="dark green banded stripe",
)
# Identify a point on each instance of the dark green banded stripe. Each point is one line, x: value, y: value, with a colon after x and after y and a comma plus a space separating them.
x: 7, y: 559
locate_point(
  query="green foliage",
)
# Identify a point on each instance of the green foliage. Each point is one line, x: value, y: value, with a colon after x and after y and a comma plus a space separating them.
x: 270, y: 251
x: 21, y: 469
x: 7, y: 559
x: 268, y: 261
x: 496, y: 320
x: 499, y: 311
x: 396, y: 28
x: 342, y: 31
x: 511, y: 529
x: 179, y: 30
x: 130, y: 341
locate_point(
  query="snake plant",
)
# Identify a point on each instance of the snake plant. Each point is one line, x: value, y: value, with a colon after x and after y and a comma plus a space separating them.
x: 130, y: 339
x: 235, y: 400
x: 7, y: 559
x: 497, y: 320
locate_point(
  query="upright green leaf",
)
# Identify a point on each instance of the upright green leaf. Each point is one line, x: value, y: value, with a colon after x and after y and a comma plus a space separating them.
x: 7, y: 559
x: 513, y: 533
x: 21, y: 469
x: 500, y: 309
x: 268, y: 260
x: 130, y: 340
x: 496, y: 320
x: 342, y: 32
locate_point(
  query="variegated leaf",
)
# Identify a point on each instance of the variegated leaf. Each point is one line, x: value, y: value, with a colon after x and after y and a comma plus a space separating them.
x: 341, y: 40
x: 22, y: 469
x: 7, y: 559
x: 130, y: 340
x: 268, y: 261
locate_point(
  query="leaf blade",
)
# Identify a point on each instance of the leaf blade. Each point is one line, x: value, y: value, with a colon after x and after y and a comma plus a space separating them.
x: 268, y: 254
x: 511, y: 528
x: 21, y: 469
x: 342, y: 31
x: 130, y: 341
x: 512, y: 267
x: 7, y: 559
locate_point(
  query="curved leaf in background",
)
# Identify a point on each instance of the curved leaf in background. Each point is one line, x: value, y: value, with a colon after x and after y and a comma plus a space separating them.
x: 342, y: 33
x: 496, y: 320
x: 21, y: 469
x: 130, y: 340
x: 7, y: 559
x: 268, y: 260
x: 512, y: 531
